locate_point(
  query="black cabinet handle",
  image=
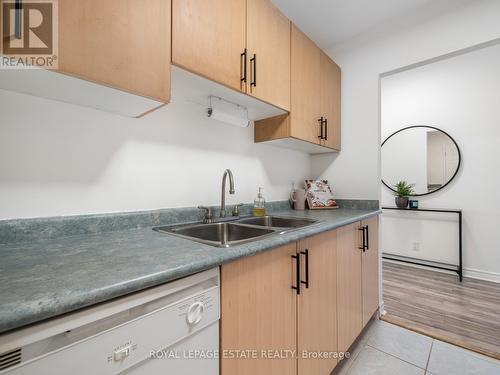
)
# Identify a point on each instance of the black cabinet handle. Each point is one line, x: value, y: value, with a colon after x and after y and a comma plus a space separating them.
x: 326, y: 129
x: 367, y: 238
x: 362, y: 247
x: 320, y: 120
x: 297, y: 275
x: 254, y: 75
x: 323, y: 128
x: 306, y: 253
x: 243, y: 61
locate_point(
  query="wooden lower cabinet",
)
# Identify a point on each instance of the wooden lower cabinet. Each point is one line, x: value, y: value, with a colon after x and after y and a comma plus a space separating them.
x: 260, y: 310
x: 317, y: 306
x: 370, y: 270
x: 349, y: 298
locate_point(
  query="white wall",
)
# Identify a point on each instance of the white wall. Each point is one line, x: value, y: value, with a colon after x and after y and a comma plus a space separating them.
x: 60, y: 159
x: 460, y: 95
x: 423, y: 235
x: 355, y: 172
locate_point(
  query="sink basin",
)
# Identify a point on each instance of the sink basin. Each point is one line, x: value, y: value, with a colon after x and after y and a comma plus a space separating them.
x: 218, y: 234
x: 278, y: 222
x: 227, y: 234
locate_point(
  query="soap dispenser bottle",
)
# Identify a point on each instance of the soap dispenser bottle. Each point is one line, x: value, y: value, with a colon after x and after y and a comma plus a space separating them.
x: 259, y: 205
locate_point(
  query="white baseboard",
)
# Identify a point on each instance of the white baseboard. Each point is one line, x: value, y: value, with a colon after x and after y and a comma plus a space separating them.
x: 482, y: 275
x: 381, y: 309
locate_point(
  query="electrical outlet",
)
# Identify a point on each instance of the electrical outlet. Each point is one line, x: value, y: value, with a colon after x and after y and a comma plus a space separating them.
x: 416, y: 246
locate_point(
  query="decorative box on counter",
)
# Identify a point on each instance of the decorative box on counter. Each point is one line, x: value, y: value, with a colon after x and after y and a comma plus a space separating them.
x: 319, y: 195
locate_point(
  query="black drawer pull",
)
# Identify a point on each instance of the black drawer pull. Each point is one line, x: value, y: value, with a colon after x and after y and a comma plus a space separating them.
x: 306, y: 253
x: 326, y: 129
x: 363, y: 246
x: 297, y: 275
x: 367, y: 238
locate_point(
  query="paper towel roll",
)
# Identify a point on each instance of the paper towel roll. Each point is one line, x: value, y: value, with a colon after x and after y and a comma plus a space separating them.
x: 217, y: 115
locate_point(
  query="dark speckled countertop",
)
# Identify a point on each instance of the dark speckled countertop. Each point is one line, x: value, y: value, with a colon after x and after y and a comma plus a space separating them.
x: 40, y: 279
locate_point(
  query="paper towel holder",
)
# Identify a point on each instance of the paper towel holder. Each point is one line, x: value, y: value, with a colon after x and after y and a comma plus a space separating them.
x: 228, y: 112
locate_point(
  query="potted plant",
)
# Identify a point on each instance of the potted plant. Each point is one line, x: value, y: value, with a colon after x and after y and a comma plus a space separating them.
x: 402, y: 192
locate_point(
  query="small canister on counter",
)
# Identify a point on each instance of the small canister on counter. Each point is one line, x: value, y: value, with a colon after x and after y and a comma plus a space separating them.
x: 298, y: 197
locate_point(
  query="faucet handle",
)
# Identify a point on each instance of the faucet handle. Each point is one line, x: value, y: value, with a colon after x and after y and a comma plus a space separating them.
x: 236, y: 209
x: 208, y: 214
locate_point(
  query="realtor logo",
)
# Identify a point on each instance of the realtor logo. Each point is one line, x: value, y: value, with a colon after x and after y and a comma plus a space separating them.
x: 29, y: 34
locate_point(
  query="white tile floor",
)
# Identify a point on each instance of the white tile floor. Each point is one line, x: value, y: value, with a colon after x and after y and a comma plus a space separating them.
x: 386, y: 349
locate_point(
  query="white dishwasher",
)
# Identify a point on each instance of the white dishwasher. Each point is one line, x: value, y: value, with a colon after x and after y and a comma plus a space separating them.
x: 169, y: 329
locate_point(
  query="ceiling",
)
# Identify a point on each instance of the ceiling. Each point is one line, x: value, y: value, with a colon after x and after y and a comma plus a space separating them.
x: 331, y: 22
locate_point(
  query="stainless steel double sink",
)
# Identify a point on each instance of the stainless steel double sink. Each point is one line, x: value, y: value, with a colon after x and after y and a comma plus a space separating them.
x: 231, y: 233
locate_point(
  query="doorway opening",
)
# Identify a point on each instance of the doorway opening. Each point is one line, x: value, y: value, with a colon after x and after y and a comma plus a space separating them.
x: 458, y: 94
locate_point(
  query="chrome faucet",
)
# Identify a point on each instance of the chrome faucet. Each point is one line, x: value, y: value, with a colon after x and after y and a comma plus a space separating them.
x: 223, y: 195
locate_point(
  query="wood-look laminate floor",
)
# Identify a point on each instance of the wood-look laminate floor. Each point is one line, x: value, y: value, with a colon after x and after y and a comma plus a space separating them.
x: 436, y: 304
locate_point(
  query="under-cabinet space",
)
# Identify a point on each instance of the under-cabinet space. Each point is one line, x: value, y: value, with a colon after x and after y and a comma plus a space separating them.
x: 113, y: 56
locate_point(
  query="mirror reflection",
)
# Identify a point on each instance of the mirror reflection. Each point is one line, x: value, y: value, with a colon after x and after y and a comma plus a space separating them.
x: 424, y: 156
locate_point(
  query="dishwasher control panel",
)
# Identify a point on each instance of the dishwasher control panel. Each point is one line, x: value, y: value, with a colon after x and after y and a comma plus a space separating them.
x: 121, y: 354
x: 175, y: 322
x: 168, y: 320
x: 122, y: 351
x: 193, y: 311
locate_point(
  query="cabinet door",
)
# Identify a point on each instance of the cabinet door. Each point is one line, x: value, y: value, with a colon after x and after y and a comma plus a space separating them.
x: 349, y: 300
x: 370, y: 265
x: 317, y: 304
x: 305, y: 102
x: 330, y: 101
x: 268, y: 45
x: 122, y: 44
x: 258, y: 311
x: 208, y: 38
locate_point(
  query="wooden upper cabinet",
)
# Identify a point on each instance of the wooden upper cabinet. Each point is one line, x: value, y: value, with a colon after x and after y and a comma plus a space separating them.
x: 258, y: 311
x: 349, y: 292
x: 306, y: 83
x: 117, y: 43
x: 208, y: 38
x: 268, y: 46
x: 330, y: 101
x: 317, y: 304
x: 370, y: 270
x: 313, y: 124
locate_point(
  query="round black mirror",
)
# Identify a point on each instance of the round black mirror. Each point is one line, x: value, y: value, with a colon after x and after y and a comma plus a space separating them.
x: 424, y: 156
